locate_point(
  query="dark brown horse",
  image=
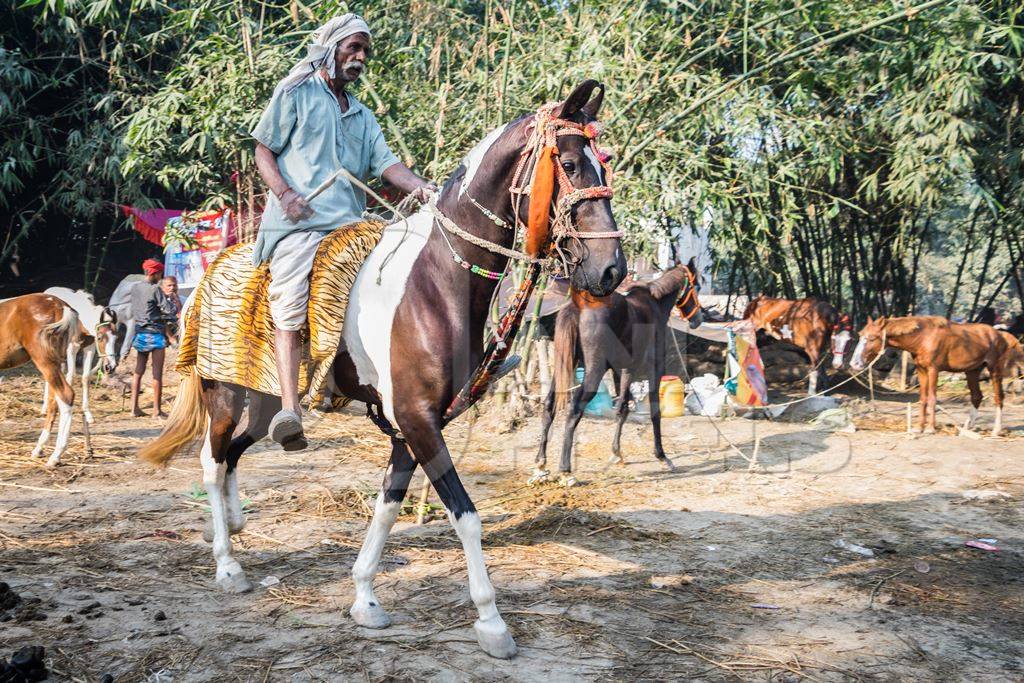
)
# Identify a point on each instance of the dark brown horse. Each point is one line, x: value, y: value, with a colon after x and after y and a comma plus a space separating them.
x: 809, y: 323
x: 940, y: 345
x: 414, y: 332
x: 624, y: 333
x: 39, y: 328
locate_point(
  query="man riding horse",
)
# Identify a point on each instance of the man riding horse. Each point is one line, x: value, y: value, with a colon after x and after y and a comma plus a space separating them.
x: 311, y: 128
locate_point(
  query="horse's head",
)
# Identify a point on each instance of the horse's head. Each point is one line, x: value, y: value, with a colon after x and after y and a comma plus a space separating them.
x: 842, y: 333
x: 569, y: 200
x: 106, y: 339
x: 871, y: 342
x: 688, y: 304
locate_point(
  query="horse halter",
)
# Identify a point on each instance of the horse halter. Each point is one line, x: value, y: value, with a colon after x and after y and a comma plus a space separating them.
x: 687, y: 302
x: 544, y: 233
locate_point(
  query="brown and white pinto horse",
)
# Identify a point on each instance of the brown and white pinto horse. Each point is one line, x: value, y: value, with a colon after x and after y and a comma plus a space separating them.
x: 940, y: 345
x: 808, y: 323
x: 40, y: 328
x: 624, y: 333
x: 413, y: 335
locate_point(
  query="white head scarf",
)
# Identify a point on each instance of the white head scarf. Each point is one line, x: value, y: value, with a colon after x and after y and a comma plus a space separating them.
x: 320, y: 54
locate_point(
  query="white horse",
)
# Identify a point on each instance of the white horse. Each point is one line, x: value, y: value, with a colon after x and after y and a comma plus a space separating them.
x: 98, y: 323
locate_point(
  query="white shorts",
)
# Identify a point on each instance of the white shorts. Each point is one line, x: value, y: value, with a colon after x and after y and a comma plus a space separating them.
x: 290, y: 267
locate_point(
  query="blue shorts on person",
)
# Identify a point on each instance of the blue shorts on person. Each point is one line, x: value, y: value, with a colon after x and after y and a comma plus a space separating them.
x: 149, y: 341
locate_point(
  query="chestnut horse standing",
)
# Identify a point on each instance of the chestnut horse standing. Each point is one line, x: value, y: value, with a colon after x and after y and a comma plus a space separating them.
x: 624, y: 333
x: 940, y: 345
x: 808, y: 323
x: 414, y: 332
x: 39, y: 328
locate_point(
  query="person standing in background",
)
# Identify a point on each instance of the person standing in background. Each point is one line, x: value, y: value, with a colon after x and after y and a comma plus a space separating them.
x: 150, y: 308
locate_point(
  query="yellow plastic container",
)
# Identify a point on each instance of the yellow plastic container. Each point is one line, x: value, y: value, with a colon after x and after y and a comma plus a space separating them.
x: 672, y: 395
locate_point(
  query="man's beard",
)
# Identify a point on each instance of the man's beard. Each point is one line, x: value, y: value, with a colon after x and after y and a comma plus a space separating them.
x: 353, y: 65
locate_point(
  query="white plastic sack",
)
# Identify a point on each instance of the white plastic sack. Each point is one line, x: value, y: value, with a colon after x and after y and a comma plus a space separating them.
x: 707, y: 396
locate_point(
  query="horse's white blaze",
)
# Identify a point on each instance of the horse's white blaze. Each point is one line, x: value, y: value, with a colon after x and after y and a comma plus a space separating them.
x: 372, y: 306
x: 365, y: 568
x: 589, y: 153
x: 475, y: 157
x: 63, y: 431
x: 857, y: 362
x: 213, y: 479
x: 839, y: 342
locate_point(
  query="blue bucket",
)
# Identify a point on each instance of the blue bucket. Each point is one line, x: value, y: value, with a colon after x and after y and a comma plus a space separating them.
x: 602, y: 403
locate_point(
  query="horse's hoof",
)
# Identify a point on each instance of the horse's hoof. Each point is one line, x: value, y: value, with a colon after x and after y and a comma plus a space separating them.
x: 539, y: 476
x: 235, y: 583
x: 929, y: 430
x: 996, y: 432
x: 914, y: 430
x: 53, y: 463
x: 37, y: 452
x: 371, y: 615
x: 667, y: 464
x: 567, y: 480
x: 494, y: 638
x: 616, y: 459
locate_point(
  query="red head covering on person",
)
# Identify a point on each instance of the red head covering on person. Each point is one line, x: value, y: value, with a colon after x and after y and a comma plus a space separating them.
x: 151, y: 266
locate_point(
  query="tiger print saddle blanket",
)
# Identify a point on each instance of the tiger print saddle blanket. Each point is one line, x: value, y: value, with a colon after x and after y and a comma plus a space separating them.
x: 229, y: 334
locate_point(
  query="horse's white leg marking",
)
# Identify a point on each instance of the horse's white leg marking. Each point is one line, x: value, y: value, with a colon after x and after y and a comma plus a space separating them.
x: 232, y: 506
x: 491, y: 631
x: 366, y: 610
x: 44, y: 436
x: 230, y: 576
x: 72, y: 354
x: 63, y: 432
x: 236, y: 519
x: 997, y: 426
x: 87, y: 359
x: 971, y: 418
x: 46, y: 398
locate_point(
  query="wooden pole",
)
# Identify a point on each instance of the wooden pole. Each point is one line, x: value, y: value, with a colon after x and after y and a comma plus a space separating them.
x: 871, y: 385
x: 903, y: 370
x: 909, y: 417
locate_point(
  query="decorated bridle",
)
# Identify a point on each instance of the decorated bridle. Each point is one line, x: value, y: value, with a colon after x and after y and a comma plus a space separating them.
x: 843, y: 324
x: 537, y: 174
x: 540, y: 156
x: 687, y: 303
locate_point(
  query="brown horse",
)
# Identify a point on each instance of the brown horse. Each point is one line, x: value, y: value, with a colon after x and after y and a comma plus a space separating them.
x: 624, y: 333
x: 40, y: 328
x: 940, y: 345
x: 808, y: 323
x: 414, y: 333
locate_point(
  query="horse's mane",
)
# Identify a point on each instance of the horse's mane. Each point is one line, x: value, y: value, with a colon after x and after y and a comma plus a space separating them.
x: 895, y: 327
x: 670, y: 282
x: 455, y: 179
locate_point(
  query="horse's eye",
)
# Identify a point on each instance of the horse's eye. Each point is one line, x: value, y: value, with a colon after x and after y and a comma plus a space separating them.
x: 569, y: 166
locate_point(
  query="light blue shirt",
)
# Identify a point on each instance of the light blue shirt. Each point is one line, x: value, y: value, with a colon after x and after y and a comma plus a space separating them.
x: 312, y: 138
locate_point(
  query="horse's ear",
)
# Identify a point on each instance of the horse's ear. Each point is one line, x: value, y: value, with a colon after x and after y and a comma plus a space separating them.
x: 577, y: 99
x: 692, y: 265
x: 869, y: 321
x: 592, y: 107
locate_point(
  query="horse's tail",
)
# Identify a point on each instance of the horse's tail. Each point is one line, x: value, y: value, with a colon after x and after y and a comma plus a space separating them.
x: 186, y: 423
x: 56, y: 336
x: 567, y: 335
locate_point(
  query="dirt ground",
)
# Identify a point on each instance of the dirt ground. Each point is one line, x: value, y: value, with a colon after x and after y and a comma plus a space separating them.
x: 713, y: 572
